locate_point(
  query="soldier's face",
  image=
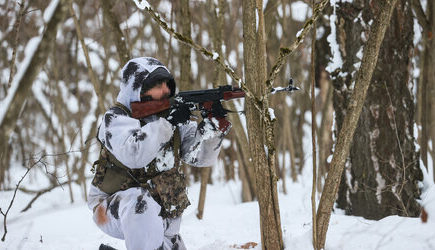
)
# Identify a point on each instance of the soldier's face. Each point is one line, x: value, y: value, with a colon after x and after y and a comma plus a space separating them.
x: 158, y: 92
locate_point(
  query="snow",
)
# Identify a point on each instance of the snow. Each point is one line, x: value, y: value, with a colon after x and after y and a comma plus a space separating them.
x: 298, y: 34
x: 49, y: 11
x: 232, y: 59
x: 135, y: 20
x: 142, y: 4
x: 336, y: 61
x: 215, y: 55
x: 54, y: 223
x: 257, y: 20
x: 300, y: 11
x: 272, y: 114
x: 205, y: 39
x: 279, y: 31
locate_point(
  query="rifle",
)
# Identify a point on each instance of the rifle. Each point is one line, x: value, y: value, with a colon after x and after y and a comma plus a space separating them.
x: 199, y: 99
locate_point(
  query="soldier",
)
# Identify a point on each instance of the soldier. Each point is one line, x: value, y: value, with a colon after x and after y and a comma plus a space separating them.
x: 138, y: 193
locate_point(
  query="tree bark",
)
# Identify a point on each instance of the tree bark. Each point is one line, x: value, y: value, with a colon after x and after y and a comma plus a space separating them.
x: 382, y: 172
x: 205, y: 173
x: 362, y: 82
x: 185, y: 66
x: 111, y: 24
x: 255, y: 74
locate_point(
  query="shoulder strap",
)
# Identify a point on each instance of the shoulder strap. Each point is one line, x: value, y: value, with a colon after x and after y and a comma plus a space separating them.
x: 124, y: 108
x: 177, y: 146
x: 105, y: 153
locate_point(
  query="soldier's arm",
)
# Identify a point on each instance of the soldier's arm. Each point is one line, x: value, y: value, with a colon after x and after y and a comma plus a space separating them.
x: 132, y: 144
x: 199, y: 148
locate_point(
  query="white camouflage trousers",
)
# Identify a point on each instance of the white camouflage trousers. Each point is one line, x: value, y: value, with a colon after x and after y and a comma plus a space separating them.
x: 133, y: 215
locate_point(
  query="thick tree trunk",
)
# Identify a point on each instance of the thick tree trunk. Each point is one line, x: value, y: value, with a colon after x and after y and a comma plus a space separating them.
x: 362, y: 82
x: 382, y: 173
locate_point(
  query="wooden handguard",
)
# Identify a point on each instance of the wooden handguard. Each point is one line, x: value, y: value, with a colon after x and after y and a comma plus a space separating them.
x: 144, y: 109
x: 228, y: 95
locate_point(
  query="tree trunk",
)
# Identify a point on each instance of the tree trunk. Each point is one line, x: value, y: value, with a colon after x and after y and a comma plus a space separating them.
x: 205, y: 175
x: 383, y: 170
x: 254, y: 54
x: 431, y: 80
x: 362, y: 82
x: 111, y: 24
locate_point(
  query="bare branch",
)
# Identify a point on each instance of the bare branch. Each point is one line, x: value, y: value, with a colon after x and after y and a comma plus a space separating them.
x: 285, y: 52
x: 211, y: 55
x: 43, y: 191
x: 5, y: 214
x: 91, y: 72
x: 34, y: 162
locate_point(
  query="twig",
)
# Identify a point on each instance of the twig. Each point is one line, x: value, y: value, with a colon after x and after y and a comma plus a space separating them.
x: 43, y: 191
x: 40, y: 160
x: 285, y: 52
x: 400, y: 148
x: 5, y: 214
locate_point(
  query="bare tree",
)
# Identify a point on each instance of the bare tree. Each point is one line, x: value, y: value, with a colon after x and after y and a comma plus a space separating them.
x: 20, y: 88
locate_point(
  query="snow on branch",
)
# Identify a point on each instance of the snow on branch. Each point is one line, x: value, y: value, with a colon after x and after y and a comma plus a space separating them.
x: 285, y: 52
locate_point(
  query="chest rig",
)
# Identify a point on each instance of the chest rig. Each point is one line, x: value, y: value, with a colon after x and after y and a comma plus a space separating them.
x: 168, y: 188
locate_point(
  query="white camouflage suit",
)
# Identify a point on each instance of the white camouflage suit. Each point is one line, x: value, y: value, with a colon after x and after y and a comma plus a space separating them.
x: 136, y: 146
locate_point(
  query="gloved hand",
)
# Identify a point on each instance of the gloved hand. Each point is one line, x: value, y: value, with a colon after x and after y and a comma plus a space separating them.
x: 214, y: 114
x: 213, y: 109
x: 218, y: 126
x: 179, y: 113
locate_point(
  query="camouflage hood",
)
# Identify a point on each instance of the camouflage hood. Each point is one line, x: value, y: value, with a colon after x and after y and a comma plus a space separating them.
x: 141, y: 74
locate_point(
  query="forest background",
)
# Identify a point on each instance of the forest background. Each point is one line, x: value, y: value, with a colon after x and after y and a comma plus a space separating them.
x: 60, y: 63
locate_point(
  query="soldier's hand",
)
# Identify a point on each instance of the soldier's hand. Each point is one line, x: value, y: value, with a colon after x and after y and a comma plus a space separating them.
x: 180, y: 113
x: 215, y: 124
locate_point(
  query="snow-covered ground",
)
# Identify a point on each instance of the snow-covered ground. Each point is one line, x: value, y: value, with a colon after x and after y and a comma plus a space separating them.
x: 54, y: 223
